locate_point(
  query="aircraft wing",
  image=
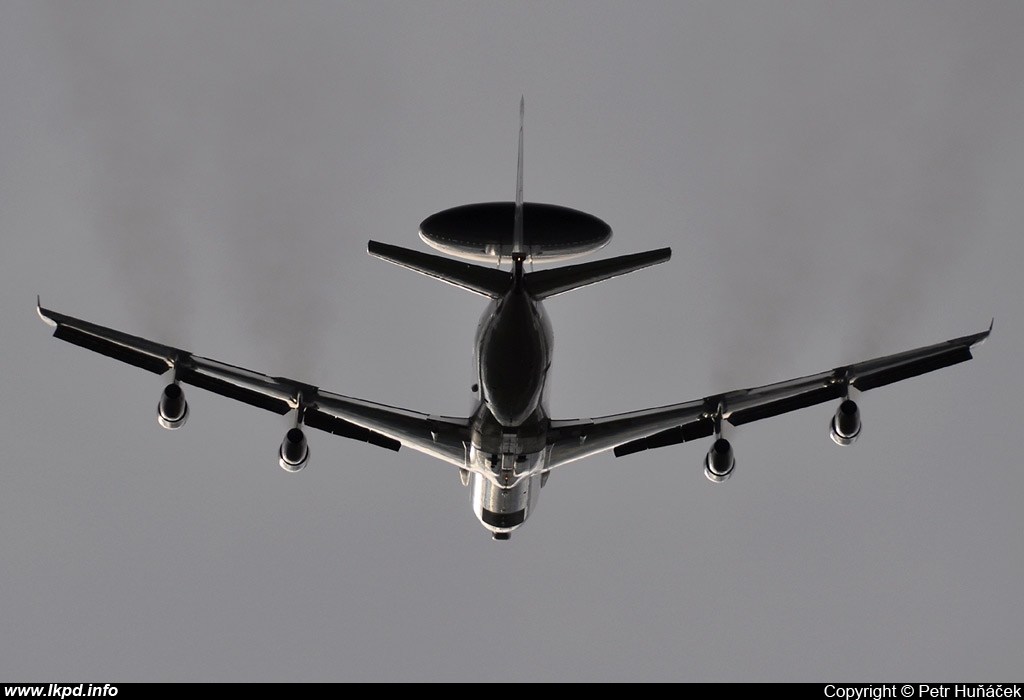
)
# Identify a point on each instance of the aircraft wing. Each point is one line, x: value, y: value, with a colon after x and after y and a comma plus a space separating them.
x: 377, y: 424
x: 627, y: 433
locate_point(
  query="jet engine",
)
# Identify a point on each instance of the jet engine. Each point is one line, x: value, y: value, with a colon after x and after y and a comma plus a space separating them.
x: 845, y: 425
x: 720, y: 461
x: 172, y: 411
x: 294, y: 452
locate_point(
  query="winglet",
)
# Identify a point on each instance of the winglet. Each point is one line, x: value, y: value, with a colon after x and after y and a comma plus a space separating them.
x: 970, y: 341
x: 982, y: 337
x: 42, y: 313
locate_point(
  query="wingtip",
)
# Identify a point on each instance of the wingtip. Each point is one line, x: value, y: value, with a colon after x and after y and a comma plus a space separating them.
x: 42, y: 313
x: 983, y: 336
x: 991, y: 325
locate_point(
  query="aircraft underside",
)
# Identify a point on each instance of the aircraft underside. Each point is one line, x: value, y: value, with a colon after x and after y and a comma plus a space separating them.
x: 506, y: 449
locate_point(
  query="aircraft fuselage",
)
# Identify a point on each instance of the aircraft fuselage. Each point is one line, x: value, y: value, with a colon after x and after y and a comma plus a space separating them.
x: 514, y: 344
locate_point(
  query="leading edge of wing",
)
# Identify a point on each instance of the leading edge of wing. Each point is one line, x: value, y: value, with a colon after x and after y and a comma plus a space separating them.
x: 374, y: 423
x: 636, y: 431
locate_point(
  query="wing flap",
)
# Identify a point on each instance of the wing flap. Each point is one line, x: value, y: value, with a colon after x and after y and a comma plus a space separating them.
x: 672, y: 436
x: 110, y: 348
x: 871, y: 379
x: 254, y: 392
x: 804, y: 399
x: 135, y: 351
x: 442, y: 437
x: 343, y: 428
x: 575, y: 439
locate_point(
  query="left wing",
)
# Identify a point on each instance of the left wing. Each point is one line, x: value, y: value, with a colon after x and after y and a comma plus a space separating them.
x: 627, y: 433
x: 377, y: 424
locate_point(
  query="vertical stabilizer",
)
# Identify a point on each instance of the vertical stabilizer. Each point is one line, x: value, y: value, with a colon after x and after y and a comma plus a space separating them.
x: 518, y: 245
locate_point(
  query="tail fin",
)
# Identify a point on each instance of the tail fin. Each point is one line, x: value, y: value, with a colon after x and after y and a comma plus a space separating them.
x: 485, y: 281
x: 518, y: 242
x: 493, y: 283
x: 547, y: 283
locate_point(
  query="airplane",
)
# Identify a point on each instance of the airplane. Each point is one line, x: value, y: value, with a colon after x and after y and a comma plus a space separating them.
x: 507, y: 447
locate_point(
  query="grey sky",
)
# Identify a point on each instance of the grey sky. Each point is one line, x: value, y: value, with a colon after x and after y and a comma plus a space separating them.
x: 836, y: 181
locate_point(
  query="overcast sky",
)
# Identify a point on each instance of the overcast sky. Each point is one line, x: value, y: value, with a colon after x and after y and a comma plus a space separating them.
x: 836, y: 180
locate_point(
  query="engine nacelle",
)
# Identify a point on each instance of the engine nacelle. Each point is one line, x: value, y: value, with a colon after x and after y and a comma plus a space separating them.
x: 845, y: 425
x: 172, y: 411
x: 294, y: 452
x: 720, y: 461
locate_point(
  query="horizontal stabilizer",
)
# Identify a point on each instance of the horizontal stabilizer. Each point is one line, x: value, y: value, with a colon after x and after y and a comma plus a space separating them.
x: 486, y: 281
x: 547, y: 283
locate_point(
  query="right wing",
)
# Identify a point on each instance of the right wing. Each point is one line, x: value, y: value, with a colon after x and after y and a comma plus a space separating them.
x: 636, y: 431
x: 385, y: 426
